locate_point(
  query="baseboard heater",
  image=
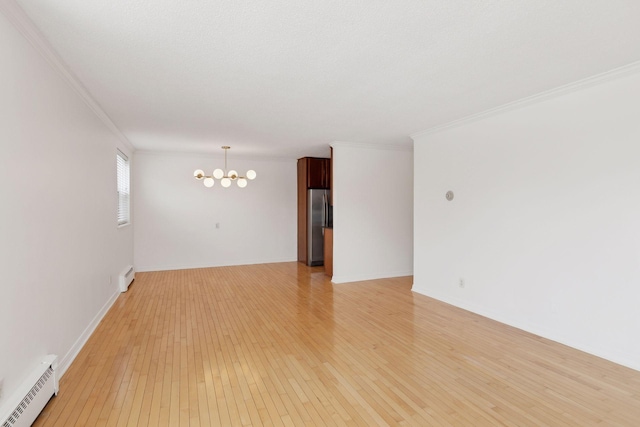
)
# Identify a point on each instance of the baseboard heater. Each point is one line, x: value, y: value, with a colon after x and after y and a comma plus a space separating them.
x: 126, y: 277
x: 32, y: 396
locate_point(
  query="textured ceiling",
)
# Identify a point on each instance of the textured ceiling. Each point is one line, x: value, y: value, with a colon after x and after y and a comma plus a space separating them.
x: 284, y: 78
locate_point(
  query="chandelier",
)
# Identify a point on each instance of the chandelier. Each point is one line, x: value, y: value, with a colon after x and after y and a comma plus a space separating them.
x: 225, y: 176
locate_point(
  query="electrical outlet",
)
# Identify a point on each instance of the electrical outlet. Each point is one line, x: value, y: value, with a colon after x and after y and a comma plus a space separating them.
x: 109, y: 279
x: 1, y: 388
x: 461, y: 283
x: 217, y: 225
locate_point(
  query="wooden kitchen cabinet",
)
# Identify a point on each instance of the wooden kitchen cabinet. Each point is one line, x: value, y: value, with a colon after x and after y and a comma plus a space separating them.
x: 317, y: 172
x: 328, y: 251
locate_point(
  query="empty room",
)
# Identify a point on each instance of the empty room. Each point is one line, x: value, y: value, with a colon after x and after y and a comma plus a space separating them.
x: 319, y: 213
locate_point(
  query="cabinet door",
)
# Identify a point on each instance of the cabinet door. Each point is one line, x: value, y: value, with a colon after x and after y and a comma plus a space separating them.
x: 327, y: 174
x: 302, y: 210
x: 328, y: 251
x: 318, y: 173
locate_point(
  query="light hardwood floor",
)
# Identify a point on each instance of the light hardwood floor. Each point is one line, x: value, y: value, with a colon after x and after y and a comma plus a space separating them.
x: 278, y: 344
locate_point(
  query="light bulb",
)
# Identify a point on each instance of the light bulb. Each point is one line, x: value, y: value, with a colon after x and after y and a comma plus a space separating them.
x: 242, y: 182
x: 208, y: 182
x: 218, y: 173
x: 232, y: 174
x: 225, y: 182
x: 251, y: 174
x: 198, y: 174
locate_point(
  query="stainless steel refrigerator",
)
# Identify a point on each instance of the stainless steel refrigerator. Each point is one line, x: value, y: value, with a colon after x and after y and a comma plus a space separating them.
x: 317, y: 219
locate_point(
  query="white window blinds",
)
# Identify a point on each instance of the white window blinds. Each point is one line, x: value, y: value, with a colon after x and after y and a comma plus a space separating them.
x: 122, y: 171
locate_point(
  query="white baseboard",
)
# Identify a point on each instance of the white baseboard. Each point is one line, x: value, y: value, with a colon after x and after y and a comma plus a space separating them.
x: 369, y: 276
x: 68, y: 358
x: 628, y: 360
x: 164, y: 267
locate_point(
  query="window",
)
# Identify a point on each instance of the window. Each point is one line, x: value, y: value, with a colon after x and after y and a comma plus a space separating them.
x: 122, y: 172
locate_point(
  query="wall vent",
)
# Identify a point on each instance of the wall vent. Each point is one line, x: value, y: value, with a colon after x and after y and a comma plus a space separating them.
x: 32, y: 396
x: 126, y: 277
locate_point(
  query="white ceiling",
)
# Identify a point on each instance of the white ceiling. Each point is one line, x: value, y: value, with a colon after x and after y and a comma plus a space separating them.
x: 284, y: 78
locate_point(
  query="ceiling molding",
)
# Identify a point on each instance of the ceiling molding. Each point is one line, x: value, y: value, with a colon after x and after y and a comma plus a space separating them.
x: 373, y: 146
x: 632, y: 68
x: 25, y: 26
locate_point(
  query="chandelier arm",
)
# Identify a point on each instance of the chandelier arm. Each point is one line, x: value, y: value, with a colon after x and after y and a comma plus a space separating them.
x: 199, y: 174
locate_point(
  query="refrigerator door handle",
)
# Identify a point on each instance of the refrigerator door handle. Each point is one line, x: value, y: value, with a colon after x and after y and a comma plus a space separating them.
x: 324, y: 210
x: 326, y: 206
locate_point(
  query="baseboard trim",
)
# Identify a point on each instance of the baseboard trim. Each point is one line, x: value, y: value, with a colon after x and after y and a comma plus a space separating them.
x: 148, y: 268
x: 369, y: 276
x: 619, y: 358
x: 68, y: 358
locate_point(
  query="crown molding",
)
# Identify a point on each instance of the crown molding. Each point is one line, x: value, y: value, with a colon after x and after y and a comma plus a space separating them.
x: 374, y: 146
x: 616, y: 73
x: 25, y: 26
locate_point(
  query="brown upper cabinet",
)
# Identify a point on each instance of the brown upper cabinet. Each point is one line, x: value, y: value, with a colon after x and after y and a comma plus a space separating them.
x: 317, y: 172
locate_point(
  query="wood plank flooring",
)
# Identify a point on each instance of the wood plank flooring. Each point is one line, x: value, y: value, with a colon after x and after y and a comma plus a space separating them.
x: 278, y: 344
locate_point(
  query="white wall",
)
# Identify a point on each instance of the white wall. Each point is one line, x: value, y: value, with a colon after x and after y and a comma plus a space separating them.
x: 545, y: 225
x: 59, y: 241
x: 372, y: 212
x: 175, y: 215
